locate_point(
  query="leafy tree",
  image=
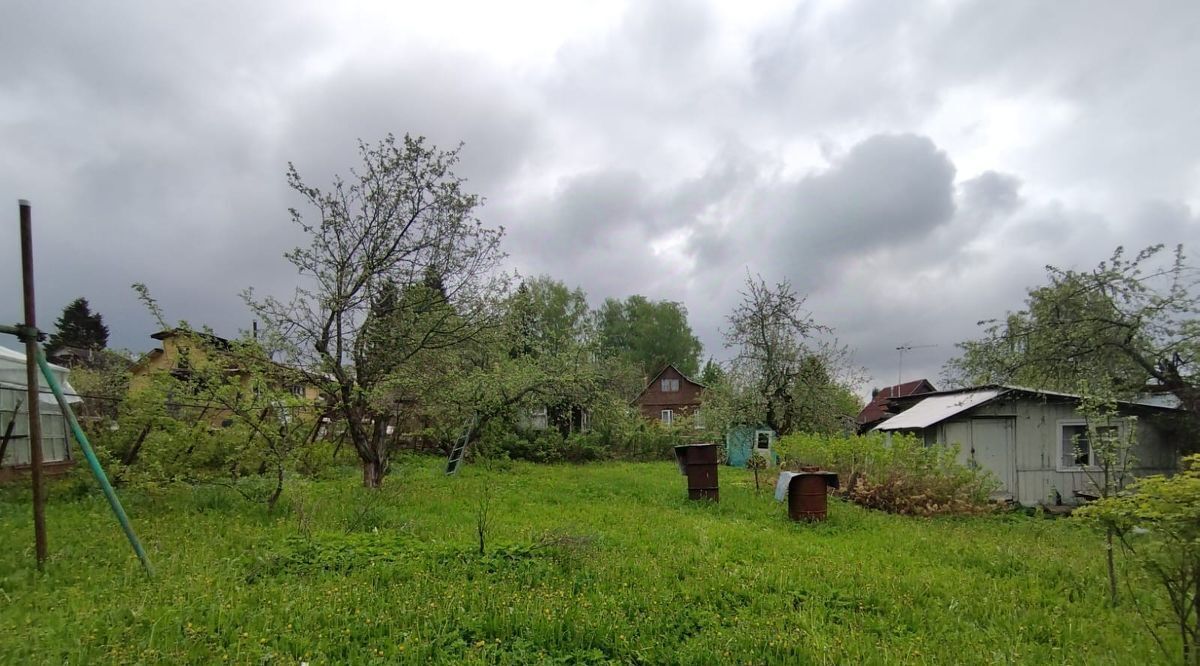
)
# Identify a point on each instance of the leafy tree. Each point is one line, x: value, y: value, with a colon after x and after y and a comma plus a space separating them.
x: 823, y: 402
x: 648, y: 334
x: 225, y: 415
x: 516, y: 374
x: 105, y: 384
x: 712, y: 374
x: 1158, y: 526
x: 397, y: 271
x: 1118, y: 326
x: 78, y: 326
x: 547, y: 317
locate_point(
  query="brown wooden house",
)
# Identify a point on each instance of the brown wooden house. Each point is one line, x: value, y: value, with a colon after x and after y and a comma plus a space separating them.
x: 671, y: 398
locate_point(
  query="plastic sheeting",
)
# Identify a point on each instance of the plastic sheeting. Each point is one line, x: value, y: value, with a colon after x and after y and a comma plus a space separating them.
x: 12, y: 376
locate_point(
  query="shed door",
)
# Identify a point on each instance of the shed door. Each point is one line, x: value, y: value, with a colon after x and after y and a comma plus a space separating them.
x: 993, y: 448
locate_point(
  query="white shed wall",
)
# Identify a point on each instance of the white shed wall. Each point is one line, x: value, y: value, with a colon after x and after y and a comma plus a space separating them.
x: 1025, y: 459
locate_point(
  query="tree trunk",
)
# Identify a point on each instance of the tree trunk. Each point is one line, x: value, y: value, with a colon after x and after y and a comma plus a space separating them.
x: 132, y: 454
x: 278, y: 489
x: 375, y: 465
x: 372, y: 473
x: 1112, y: 569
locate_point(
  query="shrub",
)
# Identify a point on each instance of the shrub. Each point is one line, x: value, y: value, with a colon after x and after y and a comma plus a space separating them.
x: 618, y: 435
x: 901, y: 476
x: 1158, y: 525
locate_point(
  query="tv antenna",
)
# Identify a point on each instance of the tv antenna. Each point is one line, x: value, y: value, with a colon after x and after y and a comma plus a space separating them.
x: 905, y: 346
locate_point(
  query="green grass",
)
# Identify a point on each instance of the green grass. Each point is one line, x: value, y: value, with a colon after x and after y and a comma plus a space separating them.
x: 652, y: 578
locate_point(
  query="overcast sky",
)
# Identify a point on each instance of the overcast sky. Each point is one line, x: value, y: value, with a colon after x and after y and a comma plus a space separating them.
x: 911, y: 166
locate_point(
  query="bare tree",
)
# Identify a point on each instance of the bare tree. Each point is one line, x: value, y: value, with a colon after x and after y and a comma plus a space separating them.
x: 780, y: 356
x: 397, y: 267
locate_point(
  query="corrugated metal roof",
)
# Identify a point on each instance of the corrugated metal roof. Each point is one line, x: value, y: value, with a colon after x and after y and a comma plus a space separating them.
x: 1164, y: 400
x: 938, y: 408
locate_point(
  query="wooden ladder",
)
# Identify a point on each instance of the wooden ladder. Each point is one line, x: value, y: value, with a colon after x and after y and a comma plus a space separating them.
x: 460, y: 447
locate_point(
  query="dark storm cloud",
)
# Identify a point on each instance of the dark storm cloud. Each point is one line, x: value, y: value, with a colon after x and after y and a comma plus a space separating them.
x: 992, y: 193
x: 136, y: 138
x: 154, y: 147
x: 887, y: 189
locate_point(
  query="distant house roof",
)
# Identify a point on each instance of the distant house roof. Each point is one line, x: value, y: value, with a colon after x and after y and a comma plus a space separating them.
x: 172, y: 332
x: 88, y: 358
x: 670, y: 366
x: 876, y: 410
x: 937, y: 407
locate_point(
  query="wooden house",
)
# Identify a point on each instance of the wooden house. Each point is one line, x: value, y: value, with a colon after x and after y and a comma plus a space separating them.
x: 672, y: 399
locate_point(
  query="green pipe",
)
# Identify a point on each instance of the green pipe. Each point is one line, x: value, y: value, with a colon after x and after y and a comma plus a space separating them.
x: 97, y: 471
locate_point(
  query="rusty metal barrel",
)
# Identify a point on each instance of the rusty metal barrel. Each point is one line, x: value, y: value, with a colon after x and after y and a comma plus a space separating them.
x: 808, y: 498
x: 699, y: 462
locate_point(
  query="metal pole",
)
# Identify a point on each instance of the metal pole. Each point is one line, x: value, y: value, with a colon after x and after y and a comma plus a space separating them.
x: 31, y: 383
x: 88, y: 453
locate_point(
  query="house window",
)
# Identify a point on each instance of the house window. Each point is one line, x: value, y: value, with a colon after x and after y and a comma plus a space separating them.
x: 666, y: 416
x: 1075, y: 450
x: 537, y: 418
x: 698, y: 420
x: 669, y: 385
x: 296, y: 390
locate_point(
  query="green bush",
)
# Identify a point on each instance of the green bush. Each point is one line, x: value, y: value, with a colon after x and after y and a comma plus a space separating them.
x: 1158, y: 525
x: 616, y: 436
x: 901, y: 476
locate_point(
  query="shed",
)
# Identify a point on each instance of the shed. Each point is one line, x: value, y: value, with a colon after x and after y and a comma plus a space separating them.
x: 56, y: 437
x: 743, y: 441
x: 1027, y: 438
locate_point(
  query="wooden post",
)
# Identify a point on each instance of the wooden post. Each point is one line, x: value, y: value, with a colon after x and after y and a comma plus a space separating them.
x: 32, y: 385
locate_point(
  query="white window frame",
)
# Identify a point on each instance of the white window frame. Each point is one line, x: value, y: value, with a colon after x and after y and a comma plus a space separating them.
x: 667, y: 416
x: 698, y: 420
x: 539, y: 418
x: 770, y: 440
x: 1060, y: 447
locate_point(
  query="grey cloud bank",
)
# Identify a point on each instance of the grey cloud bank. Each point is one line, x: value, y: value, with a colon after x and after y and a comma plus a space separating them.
x: 911, y: 167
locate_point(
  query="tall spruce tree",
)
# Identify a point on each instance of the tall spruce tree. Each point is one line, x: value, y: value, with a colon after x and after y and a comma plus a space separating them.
x: 79, y: 327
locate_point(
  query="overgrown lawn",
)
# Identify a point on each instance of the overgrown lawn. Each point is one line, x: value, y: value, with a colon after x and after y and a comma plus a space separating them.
x: 602, y: 563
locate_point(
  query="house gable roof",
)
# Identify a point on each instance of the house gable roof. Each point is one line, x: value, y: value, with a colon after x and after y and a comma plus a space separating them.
x: 669, y: 366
